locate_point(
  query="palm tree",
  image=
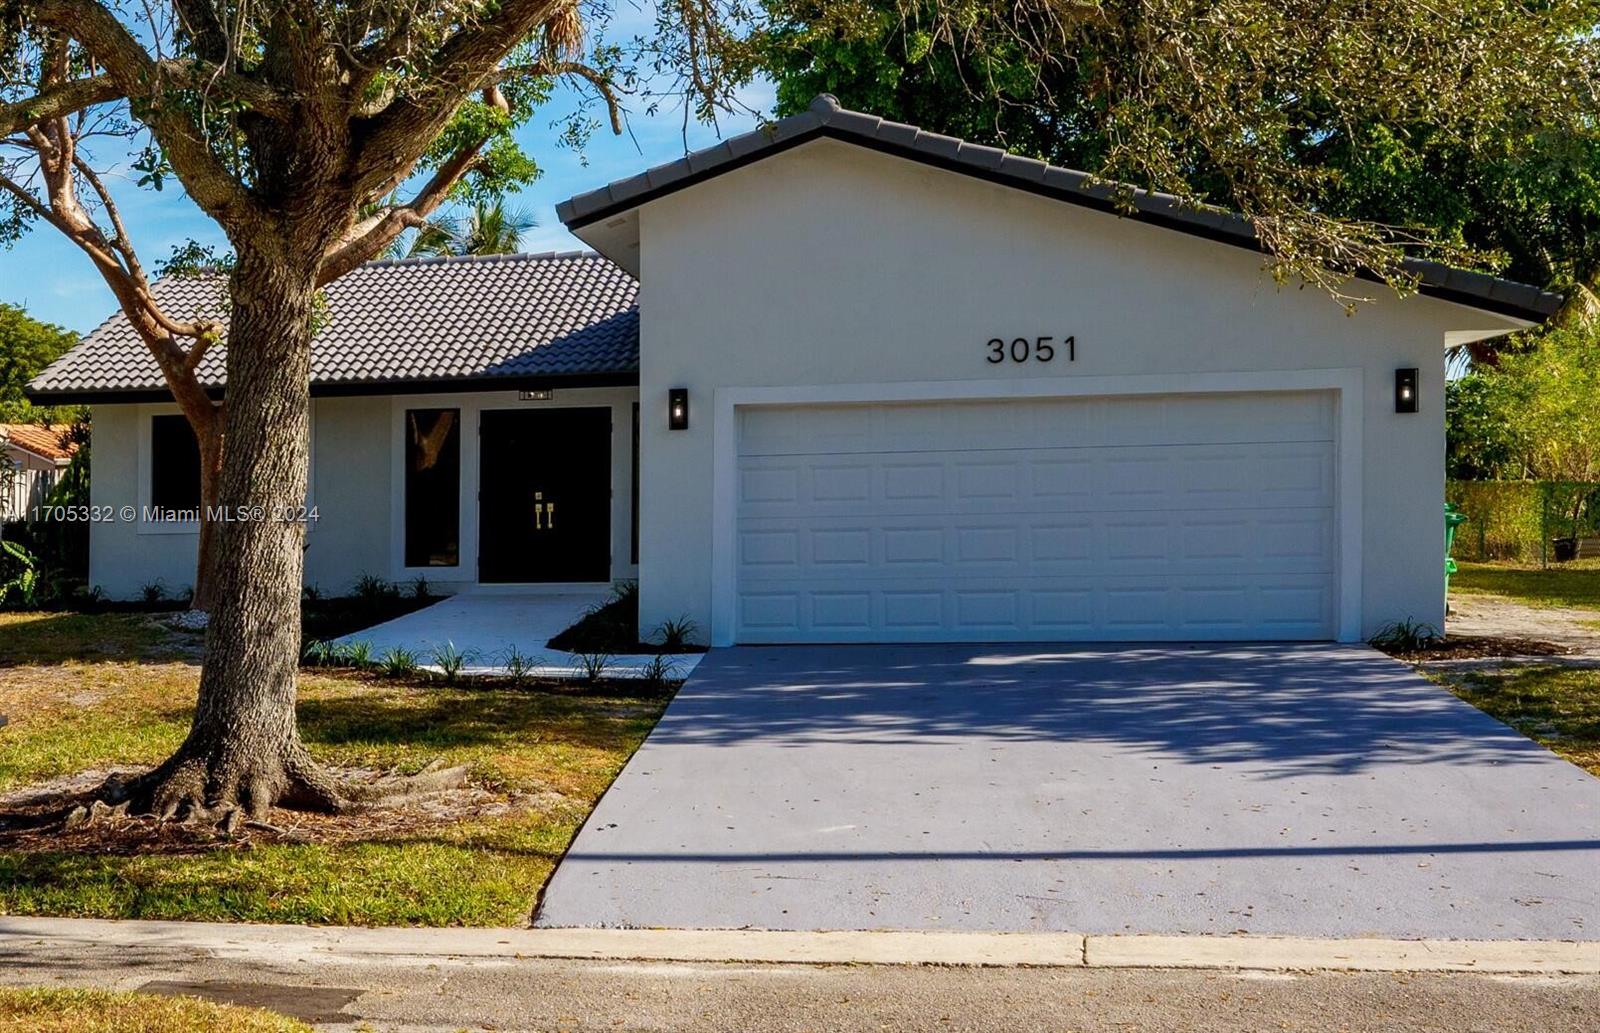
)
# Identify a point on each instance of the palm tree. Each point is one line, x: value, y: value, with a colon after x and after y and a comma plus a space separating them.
x: 491, y: 228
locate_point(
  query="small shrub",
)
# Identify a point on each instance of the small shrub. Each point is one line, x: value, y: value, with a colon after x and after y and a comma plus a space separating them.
x: 519, y: 665
x: 398, y: 662
x: 450, y: 661
x: 318, y: 653
x: 311, y: 593
x: 420, y: 589
x: 660, y: 670
x: 355, y: 654
x: 678, y: 635
x: 19, y: 575
x: 152, y: 592
x: 1407, y: 636
x: 625, y: 592
x: 594, y: 666
x: 373, y: 591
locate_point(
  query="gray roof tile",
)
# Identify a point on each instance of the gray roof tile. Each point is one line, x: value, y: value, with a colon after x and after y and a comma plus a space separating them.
x: 417, y: 320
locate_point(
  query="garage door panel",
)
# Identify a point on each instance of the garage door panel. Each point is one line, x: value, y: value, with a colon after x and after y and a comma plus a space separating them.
x: 1114, y: 479
x: 1120, y: 518
x: 1292, y: 541
x: 1037, y: 423
x: 1127, y: 608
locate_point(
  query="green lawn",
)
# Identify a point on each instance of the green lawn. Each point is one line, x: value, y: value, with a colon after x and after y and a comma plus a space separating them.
x: 1556, y: 706
x: 540, y: 758
x: 99, y: 1011
x: 1575, y: 584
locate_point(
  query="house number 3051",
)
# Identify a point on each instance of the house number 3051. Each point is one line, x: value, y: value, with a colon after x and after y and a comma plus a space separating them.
x: 1036, y: 349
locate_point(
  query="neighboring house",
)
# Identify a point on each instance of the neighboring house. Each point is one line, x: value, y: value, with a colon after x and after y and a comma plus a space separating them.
x: 34, y: 458
x: 878, y: 385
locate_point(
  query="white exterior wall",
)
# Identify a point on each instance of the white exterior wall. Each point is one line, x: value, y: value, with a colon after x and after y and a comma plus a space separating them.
x: 357, y: 466
x: 834, y: 272
x: 125, y: 555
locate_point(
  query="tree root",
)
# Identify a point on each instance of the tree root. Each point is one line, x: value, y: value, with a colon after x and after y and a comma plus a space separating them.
x: 183, y: 791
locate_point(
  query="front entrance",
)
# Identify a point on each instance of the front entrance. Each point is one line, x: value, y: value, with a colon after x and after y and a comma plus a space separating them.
x: 545, y: 495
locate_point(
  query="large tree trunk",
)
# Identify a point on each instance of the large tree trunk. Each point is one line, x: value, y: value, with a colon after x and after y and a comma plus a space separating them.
x: 243, y: 752
x: 206, y: 551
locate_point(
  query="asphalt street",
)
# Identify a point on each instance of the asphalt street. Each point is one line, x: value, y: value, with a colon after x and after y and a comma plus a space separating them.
x: 411, y: 995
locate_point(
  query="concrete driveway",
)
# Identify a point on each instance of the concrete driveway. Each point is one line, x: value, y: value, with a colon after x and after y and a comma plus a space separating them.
x: 1299, y: 789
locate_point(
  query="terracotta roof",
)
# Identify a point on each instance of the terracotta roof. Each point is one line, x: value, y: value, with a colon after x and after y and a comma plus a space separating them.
x: 827, y: 119
x: 425, y: 323
x: 49, y: 442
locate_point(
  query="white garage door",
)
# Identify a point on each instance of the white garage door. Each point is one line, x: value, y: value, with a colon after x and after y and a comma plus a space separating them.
x: 1167, y: 517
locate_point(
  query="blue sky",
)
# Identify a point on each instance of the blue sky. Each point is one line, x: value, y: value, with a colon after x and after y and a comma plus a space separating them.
x: 55, y: 282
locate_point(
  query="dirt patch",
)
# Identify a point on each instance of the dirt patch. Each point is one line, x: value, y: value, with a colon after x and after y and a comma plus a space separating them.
x: 1474, y: 647
x: 1491, y: 616
x: 30, y: 819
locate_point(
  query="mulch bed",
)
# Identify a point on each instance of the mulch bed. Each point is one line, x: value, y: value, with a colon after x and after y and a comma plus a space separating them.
x: 1481, y: 647
x: 30, y: 820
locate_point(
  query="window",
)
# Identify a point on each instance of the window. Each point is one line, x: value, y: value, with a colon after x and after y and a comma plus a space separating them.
x: 635, y: 499
x: 174, y: 469
x: 433, y: 487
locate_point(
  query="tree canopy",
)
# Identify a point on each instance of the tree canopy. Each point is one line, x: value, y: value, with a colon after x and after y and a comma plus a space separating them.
x: 1536, y: 415
x: 26, y: 347
x: 1351, y: 133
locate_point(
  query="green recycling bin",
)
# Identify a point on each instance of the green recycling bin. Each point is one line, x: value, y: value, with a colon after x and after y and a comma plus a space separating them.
x: 1453, y: 518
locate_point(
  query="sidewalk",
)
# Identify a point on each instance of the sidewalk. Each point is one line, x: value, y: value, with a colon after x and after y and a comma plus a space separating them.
x: 266, y: 944
x: 487, y: 625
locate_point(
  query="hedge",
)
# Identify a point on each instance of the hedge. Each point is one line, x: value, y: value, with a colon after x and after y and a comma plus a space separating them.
x: 1514, y: 520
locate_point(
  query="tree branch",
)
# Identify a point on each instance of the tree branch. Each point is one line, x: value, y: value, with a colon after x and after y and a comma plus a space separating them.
x: 59, y: 100
x: 549, y: 69
x: 368, y: 238
x: 397, y: 136
x: 106, y: 40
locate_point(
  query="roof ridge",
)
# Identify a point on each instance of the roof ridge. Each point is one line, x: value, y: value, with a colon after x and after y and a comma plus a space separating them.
x: 514, y: 256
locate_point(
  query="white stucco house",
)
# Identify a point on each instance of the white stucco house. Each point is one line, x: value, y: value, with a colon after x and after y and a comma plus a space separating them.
x: 841, y: 380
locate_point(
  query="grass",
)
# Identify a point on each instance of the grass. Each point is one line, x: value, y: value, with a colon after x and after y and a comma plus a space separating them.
x: 100, y: 1011
x: 549, y: 753
x: 1558, y: 707
x: 1573, y: 585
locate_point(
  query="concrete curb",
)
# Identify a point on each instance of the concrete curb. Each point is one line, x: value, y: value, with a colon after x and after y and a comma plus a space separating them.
x: 46, y: 937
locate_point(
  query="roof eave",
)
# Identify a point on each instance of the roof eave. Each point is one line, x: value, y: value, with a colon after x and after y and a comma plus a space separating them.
x: 358, y: 388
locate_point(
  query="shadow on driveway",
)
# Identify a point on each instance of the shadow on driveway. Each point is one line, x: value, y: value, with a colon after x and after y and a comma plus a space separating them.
x: 1287, y: 789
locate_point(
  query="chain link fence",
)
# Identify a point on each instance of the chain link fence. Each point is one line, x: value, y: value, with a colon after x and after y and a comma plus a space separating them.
x: 1534, y: 522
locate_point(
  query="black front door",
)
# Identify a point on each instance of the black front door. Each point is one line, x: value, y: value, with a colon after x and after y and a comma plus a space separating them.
x: 544, y: 499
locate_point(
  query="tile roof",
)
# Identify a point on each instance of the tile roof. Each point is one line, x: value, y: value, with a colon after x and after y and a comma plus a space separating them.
x: 429, y: 321
x: 49, y: 441
x: 825, y: 118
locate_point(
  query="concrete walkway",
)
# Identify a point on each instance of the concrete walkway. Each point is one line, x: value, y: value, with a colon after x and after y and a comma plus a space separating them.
x: 1301, y: 790
x: 377, y: 981
x: 277, y: 944
x: 487, y: 625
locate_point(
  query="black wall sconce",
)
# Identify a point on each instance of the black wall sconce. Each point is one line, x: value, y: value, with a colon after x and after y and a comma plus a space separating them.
x: 1405, y: 390
x: 678, y: 408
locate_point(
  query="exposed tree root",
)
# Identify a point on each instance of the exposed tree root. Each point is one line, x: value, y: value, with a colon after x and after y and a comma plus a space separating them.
x: 184, y: 789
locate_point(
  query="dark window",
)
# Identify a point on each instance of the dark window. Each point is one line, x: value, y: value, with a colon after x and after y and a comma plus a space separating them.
x: 174, y: 464
x: 433, y: 487
x: 635, y: 499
